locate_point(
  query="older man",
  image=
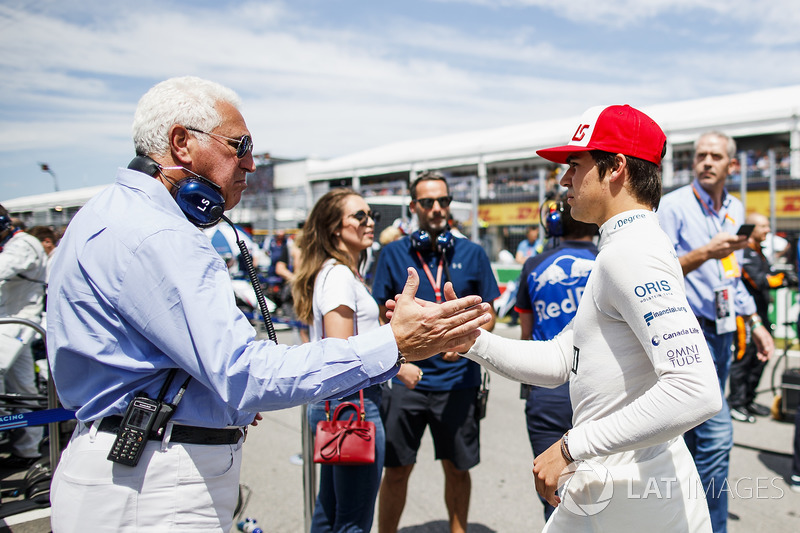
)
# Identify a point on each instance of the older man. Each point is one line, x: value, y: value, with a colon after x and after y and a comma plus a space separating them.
x: 141, y: 308
x: 701, y: 220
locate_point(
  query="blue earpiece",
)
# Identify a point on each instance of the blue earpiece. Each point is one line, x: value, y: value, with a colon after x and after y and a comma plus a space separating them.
x: 199, y: 198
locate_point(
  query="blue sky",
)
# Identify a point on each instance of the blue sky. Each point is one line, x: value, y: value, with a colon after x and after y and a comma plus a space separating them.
x: 331, y: 77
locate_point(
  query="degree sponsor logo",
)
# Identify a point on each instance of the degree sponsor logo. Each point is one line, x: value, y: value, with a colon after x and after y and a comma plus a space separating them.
x: 684, y: 356
x: 627, y: 220
x: 652, y: 315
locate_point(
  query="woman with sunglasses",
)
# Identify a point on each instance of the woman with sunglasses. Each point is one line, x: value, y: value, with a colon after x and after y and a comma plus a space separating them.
x: 330, y: 295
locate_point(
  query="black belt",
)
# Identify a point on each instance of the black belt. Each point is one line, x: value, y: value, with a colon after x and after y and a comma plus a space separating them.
x: 706, y: 323
x: 183, y: 434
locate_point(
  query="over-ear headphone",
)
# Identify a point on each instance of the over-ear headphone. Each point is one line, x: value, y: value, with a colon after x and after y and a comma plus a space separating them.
x: 421, y: 242
x: 551, y: 216
x: 199, y: 198
x: 5, y: 223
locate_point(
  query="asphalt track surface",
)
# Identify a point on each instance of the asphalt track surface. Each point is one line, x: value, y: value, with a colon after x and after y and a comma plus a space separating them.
x: 503, y: 496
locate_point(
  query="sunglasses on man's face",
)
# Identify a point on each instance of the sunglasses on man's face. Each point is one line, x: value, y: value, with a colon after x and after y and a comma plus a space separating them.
x: 362, y: 216
x: 427, y: 203
x: 243, y: 144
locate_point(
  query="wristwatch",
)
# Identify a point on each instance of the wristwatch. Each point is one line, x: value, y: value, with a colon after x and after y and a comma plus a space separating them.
x: 754, y: 321
x: 400, y: 358
x: 565, y: 449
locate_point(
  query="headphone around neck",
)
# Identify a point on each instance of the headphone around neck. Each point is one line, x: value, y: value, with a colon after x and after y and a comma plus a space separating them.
x: 422, y: 242
x: 199, y: 198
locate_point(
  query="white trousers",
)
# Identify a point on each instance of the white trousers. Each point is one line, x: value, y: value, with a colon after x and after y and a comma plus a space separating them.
x: 182, y: 487
x: 661, y: 494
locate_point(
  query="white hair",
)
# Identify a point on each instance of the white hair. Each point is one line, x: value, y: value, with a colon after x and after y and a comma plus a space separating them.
x: 189, y: 101
x: 730, y: 144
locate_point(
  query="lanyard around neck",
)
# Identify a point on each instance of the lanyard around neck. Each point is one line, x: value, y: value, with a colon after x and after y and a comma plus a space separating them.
x: 437, y: 284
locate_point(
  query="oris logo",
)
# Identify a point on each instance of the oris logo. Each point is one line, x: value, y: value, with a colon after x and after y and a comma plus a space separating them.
x: 653, y: 287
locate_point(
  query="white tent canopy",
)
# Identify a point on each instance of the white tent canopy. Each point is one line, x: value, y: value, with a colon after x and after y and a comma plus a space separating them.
x: 754, y: 113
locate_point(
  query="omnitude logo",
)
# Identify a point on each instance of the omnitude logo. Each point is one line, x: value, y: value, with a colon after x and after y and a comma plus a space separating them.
x: 652, y: 315
x: 685, y: 355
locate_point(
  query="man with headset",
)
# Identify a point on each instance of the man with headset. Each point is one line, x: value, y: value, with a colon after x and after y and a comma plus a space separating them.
x: 141, y: 312
x: 441, y: 391
x: 23, y: 264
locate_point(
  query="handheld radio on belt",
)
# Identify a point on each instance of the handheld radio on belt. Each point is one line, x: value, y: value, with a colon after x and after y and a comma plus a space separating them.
x: 203, y: 205
x: 144, y: 417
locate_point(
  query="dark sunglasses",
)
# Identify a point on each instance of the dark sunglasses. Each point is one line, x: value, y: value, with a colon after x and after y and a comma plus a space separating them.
x: 427, y: 203
x: 242, y: 145
x: 362, y: 216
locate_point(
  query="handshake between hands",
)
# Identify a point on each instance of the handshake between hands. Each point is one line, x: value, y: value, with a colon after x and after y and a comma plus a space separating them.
x: 422, y: 329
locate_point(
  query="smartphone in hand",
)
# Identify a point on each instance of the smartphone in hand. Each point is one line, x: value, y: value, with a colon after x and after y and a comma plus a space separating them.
x: 746, y: 230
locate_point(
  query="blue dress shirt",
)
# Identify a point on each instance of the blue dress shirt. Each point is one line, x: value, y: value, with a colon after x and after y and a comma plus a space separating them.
x: 136, y: 290
x: 690, y: 225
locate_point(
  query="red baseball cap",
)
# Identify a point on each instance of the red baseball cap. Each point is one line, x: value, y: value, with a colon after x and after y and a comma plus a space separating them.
x: 619, y: 129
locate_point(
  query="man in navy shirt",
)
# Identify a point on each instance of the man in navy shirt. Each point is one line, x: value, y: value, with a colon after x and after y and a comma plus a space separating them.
x: 445, y: 397
x: 551, y: 285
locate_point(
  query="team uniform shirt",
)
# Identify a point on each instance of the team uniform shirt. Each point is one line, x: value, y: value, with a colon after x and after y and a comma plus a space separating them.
x: 471, y: 275
x: 137, y: 290
x: 690, y: 225
x: 551, y: 285
x: 640, y: 375
x: 23, y: 264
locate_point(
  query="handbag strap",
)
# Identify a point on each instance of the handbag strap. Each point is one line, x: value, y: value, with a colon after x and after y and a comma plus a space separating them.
x: 362, y: 414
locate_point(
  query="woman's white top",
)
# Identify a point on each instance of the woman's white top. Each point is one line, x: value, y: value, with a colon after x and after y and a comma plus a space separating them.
x: 337, y: 285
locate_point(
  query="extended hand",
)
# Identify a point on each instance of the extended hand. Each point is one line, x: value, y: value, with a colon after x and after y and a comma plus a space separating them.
x: 423, y: 330
x: 547, y: 469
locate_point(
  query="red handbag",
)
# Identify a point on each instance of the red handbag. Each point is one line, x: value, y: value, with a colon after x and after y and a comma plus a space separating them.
x: 345, y: 442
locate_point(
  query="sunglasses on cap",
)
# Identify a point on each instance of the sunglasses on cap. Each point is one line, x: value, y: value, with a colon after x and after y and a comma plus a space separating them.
x: 362, y: 216
x: 427, y: 203
x: 243, y: 145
